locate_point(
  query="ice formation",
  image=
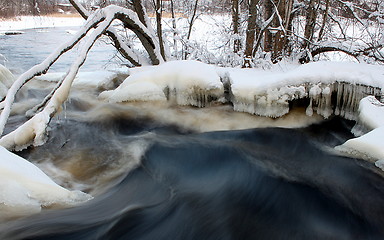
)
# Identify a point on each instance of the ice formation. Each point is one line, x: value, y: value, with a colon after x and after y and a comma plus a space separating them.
x: 6, y: 80
x: 182, y: 82
x: 25, y: 189
x: 326, y: 88
x: 331, y: 88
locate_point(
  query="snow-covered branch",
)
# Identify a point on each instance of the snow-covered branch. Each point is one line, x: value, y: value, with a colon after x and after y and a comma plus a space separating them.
x: 42, y: 68
x: 34, y: 130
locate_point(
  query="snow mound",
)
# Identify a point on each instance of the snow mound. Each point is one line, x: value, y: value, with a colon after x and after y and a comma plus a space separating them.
x: 25, y: 189
x: 371, y: 112
x: 182, y: 82
x: 6, y: 81
x: 370, y: 145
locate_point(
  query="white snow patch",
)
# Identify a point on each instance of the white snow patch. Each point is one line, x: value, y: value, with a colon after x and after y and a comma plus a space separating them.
x: 369, y: 146
x: 25, y: 189
x: 380, y: 164
x: 183, y: 82
x: 6, y: 81
x: 371, y: 112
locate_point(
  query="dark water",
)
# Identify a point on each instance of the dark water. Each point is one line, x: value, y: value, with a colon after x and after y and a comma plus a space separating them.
x: 270, y: 183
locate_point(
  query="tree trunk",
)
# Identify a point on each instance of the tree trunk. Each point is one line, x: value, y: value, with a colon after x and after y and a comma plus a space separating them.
x: 310, y: 23
x: 268, y: 40
x: 276, y: 39
x: 235, y: 22
x: 140, y: 11
x: 191, y: 21
x: 159, y: 10
x: 325, y: 16
x: 251, y: 30
x: 174, y: 29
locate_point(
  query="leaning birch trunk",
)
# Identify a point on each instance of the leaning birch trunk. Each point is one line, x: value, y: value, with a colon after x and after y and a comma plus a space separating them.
x: 37, y: 70
x: 34, y: 130
x: 124, y: 49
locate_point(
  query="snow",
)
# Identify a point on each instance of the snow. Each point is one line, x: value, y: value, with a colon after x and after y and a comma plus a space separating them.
x: 370, y: 145
x: 267, y: 93
x: 97, y: 79
x: 6, y: 80
x: 371, y: 112
x: 25, y: 189
x: 260, y: 92
x: 31, y: 22
x: 183, y: 82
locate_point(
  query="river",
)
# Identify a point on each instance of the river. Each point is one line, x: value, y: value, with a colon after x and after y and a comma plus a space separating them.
x: 159, y: 171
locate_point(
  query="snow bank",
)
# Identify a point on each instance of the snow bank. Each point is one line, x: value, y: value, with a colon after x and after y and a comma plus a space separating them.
x: 371, y: 112
x: 183, y: 82
x: 25, y: 189
x: 6, y: 81
x: 369, y: 146
x: 30, y: 22
x: 268, y: 93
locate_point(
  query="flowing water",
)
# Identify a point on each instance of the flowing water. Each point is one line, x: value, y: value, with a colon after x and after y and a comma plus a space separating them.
x: 159, y: 171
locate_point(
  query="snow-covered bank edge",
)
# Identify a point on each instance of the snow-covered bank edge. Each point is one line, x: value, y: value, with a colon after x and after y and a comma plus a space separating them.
x: 32, y: 22
x: 329, y: 88
x: 370, y: 145
x: 25, y: 189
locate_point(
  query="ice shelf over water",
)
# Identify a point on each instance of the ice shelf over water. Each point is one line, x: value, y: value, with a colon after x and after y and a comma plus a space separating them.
x: 328, y: 87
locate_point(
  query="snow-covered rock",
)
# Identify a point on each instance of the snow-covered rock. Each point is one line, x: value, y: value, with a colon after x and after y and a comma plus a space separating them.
x: 182, y: 82
x: 25, y: 189
x: 6, y: 80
